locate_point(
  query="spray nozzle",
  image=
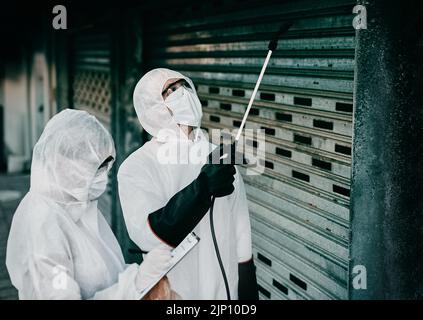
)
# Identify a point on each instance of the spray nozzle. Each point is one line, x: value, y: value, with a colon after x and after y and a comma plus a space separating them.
x: 283, y: 28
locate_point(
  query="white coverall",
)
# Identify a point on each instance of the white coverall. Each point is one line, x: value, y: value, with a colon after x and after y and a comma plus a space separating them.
x: 60, y: 246
x: 146, y: 185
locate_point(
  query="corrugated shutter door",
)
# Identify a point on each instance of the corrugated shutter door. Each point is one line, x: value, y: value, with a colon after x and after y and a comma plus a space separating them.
x: 91, y: 86
x: 91, y: 75
x: 300, y: 206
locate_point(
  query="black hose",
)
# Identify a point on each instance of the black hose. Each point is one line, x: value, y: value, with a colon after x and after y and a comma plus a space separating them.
x: 216, y: 247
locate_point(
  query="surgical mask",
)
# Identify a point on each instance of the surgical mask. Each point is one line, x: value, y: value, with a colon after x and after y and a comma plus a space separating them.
x: 98, y: 185
x: 185, y: 106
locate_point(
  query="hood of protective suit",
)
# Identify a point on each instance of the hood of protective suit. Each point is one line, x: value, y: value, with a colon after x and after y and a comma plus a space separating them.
x: 149, y: 104
x: 67, y: 156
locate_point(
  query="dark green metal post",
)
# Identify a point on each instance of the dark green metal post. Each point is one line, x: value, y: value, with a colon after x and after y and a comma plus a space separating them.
x: 387, y: 176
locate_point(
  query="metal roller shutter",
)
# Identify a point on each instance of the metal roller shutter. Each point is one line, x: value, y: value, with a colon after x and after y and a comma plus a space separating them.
x: 300, y: 206
x: 91, y: 86
x: 91, y: 77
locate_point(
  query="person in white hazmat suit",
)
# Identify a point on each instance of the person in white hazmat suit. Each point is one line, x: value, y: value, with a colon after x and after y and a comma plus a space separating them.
x: 163, y: 201
x: 60, y: 245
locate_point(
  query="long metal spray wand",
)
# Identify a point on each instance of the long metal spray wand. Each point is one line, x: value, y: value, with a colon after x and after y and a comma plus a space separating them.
x: 272, y: 47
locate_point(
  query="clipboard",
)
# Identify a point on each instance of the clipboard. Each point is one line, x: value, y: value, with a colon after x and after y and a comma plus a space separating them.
x: 178, y: 253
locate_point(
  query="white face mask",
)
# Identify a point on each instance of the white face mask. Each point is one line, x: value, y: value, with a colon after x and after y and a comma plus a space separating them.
x: 98, y: 185
x: 185, y: 106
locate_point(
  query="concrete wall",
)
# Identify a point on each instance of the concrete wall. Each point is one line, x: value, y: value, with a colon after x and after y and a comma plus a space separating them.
x: 16, y: 113
x: 28, y: 98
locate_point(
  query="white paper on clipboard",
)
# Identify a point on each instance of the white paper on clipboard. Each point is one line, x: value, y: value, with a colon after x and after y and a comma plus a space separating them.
x: 178, y: 253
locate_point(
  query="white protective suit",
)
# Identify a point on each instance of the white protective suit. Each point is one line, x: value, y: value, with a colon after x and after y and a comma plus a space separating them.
x: 146, y: 185
x: 60, y: 246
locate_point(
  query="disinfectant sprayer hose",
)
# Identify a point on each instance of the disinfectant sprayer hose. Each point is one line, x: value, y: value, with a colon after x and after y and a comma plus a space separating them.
x: 216, y: 248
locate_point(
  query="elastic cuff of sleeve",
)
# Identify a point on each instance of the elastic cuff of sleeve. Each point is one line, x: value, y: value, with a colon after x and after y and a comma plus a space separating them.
x: 157, y: 236
x: 247, y: 261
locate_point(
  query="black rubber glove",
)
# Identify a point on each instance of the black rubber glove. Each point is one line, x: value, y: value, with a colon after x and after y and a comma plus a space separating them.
x: 247, y: 283
x: 219, y: 179
x: 185, y: 209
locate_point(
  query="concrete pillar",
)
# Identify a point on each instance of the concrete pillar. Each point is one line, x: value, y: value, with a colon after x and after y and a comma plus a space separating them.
x: 387, y: 175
